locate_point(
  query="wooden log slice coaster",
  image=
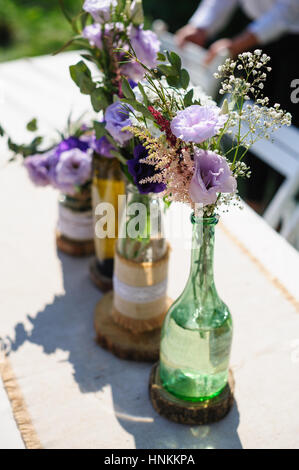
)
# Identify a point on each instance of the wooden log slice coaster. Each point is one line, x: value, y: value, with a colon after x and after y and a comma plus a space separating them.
x: 191, y: 413
x: 104, y: 283
x: 73, y: 247
x: 121, y: 342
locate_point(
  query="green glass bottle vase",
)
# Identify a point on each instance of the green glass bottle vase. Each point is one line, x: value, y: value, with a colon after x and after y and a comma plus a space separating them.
x: 197, y: 332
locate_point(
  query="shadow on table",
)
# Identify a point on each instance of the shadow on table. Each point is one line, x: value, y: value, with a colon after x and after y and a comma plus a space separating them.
x: 67, y: 325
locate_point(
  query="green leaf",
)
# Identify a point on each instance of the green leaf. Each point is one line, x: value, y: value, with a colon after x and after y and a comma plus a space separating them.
x: 99, y: 100
x: 167, y: 202
x: 36, y: 142
x: 84, y: 17
x: 81, y: 75
x: 167, y: 70
x: 32, y: 125
x: 173, y: 81
x: 185, y: 79
x: 90, y: 58
x: 64, y: 11
x: 175, y: 61
x: 124, y: 168
x: 118, y: 155
x: 121, y: 5
x: 140, y: 108
x: 142, y: 91
x: 12, y: 146
x: 188, y: 99
x: 99, y: 128
x: 87, y: 86
x: 127, y: 90
x: 161, y: 57
x: 2, y: 132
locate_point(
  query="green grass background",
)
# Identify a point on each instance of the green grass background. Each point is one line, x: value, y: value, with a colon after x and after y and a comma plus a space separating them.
x: 36, y: 27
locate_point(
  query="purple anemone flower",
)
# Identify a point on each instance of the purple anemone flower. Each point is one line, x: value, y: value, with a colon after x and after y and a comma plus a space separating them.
x: 140, y: 170
x: 212, y: 176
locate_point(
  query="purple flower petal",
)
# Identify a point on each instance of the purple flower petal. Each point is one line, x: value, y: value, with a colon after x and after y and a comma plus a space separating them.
x: 116, y: 118
x: 73, y: 169
x: 100, y: 10
x: 198, y: 123
x: 38, y: 167
x: 146, y: 46
x: 212, y: 176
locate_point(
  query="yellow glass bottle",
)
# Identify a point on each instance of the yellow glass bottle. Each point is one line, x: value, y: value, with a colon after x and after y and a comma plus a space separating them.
x: 108, y: 183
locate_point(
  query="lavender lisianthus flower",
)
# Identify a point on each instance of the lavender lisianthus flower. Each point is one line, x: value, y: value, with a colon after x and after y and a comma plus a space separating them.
x: 102, y: 146
x: 198, y: 123
x: 116, y: 118
x: 39, y: 167
x: 140, y: 170
x: 73, y: 169
x: 212, y: 175
x: 100, y: 10
x: 93, y: 33
x: 146, y: 46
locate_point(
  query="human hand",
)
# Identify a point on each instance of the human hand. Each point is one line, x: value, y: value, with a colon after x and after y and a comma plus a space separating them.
x: 242, y: 43
x: 190, y: 33
x: 217, y: 48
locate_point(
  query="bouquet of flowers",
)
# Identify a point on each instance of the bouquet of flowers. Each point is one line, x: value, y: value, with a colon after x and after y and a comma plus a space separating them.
x: 106, y: 30
x: 184, y: 133
x: 184, y: 140
x: 65, y: 164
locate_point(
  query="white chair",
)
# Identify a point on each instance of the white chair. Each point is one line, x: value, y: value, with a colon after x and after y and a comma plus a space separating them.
x: 282, y: 154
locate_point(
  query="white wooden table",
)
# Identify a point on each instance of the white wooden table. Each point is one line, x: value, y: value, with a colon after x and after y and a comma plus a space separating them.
x: 81, y: 396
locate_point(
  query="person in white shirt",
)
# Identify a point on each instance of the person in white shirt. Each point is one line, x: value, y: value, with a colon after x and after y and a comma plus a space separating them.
x: 271, y: 19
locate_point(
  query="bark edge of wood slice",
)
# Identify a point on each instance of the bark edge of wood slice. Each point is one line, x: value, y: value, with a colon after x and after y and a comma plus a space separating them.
x: 73, y: 247
x: 190, y: 413
x: 103, y: 283
x: 143, y: 347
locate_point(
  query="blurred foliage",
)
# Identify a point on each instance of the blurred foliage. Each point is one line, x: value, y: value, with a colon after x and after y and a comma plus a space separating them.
x: 36, y: 27
x: 33, y: 27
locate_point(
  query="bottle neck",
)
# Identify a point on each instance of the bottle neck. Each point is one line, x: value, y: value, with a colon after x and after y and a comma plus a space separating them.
x: 202, y: 260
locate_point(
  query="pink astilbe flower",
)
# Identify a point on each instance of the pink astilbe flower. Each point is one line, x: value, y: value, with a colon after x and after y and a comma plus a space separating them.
x: 175, y: 172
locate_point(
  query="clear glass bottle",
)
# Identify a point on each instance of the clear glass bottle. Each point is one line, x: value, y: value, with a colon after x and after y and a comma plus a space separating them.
x: 108, y: 183
x: 141, y: 238
x: 197, y: 332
